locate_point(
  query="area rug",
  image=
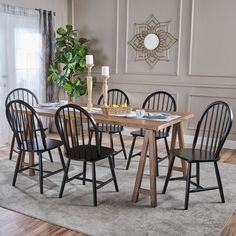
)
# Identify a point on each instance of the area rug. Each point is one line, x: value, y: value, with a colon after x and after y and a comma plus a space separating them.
x: 115, y: 214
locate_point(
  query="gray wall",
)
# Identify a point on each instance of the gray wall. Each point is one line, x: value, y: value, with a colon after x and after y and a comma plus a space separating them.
x: 202, y: 64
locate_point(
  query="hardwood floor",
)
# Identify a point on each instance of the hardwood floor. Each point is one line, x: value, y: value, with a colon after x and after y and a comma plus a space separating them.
x: 230, y: 226
x: 16, y: 224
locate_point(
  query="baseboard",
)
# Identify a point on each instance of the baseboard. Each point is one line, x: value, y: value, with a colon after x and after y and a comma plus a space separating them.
x: 188, y: 139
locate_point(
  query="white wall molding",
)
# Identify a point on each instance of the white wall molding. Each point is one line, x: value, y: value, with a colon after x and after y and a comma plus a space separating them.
x: 212, y: 97
x: 179, y: 84
x: 188, y: 139
x: 117, y: 35
x: 192, y: 36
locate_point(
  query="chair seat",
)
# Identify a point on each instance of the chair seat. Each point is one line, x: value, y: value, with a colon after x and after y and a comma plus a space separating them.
x: 193, y: 155
x: 39, y: 147
x: 109, y: 128
x: 141, y: 133
x: 89, y: 153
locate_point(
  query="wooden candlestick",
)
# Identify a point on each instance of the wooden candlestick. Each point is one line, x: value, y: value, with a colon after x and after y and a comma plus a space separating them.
x: 90, y: 87
x: 105, y: 89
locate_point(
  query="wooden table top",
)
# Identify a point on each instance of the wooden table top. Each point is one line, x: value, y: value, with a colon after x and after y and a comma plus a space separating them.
x: 127, y: 121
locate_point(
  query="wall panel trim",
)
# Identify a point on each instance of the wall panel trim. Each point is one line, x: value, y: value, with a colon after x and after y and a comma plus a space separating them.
x: 205, y: 96
x: 176, y: 73
x: 190, y: 73
x: 170, y: 84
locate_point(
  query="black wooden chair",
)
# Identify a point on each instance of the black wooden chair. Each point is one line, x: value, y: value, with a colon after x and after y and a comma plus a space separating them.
x: 30, y: 136
x: 117, y: 97
x: 30, y: 98
x: 211, y: 133
x: 73, y: 122
x: 162, y: 101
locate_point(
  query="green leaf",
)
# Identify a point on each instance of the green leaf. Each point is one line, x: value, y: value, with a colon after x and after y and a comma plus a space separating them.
x: 82, y: 52
x: 77, y: 82
x: 60, y: 44
x: 69, y: 27
x: 76, y: 93
x: 50, y: 78
x: 68, y: 56
x: 74, y: 34
x: 82, y: 63
x: 83, y: 40
x: 67, y: 72
x: 83, y: 91
x: 61, y: 31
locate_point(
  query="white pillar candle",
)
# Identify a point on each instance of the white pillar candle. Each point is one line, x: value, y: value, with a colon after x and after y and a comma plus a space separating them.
x: 105, y: 70
x: 89, y: 59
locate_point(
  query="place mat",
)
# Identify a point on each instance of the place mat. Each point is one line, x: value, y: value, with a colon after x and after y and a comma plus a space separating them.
x: 48, y: 104
x: 155, y: 116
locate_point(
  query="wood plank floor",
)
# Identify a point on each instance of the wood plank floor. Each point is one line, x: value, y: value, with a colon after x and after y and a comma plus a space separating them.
x: 230, y: 226
x: 16, y: 224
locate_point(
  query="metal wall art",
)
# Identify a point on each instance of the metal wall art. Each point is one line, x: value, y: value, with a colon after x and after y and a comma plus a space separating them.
x: 152, y: 41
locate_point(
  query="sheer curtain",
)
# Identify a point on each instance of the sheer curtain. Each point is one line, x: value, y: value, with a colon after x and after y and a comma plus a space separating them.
x: 21, y: 62
x: 23, y: 45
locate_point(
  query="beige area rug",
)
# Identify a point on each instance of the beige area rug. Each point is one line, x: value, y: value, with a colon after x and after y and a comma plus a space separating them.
x: 115, y: 214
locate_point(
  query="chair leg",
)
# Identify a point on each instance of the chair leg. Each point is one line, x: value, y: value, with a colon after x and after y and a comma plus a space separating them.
x: 100, y: 138
x: 90, y: 135
x: 65, y: 177
x: 84, y: 172
x: 61, y: 158
x: 219, y: 182
x: 172, y: 159
x: 167, y: 147
x: 187, y: 186
x: 113, y: 174
x: 112, y: 146
x: 12, y: 146
x: 198, y: 173
x: 50, y: 155
x: 94, y: 184
x: 122, y: 145
x: 40, y: 172
x: 131, y: 152
x: 17, y: 168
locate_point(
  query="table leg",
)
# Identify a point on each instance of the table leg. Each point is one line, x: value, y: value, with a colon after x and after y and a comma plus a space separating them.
x: 22, y: 159
x: 153, y: 168
x: 31, y: 162
x: 148, y: 143
x: 178, y: 130
x: 140, y: 171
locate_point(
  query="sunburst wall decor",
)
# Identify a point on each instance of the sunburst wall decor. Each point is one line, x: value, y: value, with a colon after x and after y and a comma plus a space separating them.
x: 152, y: 41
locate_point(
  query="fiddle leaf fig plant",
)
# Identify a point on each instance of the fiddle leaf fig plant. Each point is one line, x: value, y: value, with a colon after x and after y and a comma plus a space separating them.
x: 69, y: 62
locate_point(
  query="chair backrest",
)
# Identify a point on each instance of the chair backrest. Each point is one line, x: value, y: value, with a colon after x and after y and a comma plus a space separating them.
x: 26, y: 125
x: 115, y: 96
x: 213, y: 128
x: 22, y: 94
x: 73, y: 124
x: 160, y: 100
x: 163, y: 101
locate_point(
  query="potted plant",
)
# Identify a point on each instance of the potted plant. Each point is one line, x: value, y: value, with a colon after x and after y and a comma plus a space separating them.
x: 69, y: 62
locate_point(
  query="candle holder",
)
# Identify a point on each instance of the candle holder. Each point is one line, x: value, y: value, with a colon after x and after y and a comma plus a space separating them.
x: 90, y: 87
x: 105, y: 88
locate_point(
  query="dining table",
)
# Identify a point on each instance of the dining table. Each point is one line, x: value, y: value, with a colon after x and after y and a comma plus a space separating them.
x: 149, y: 147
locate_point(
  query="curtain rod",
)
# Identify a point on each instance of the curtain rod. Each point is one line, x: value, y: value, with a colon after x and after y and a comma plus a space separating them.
x: 54, y: 13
